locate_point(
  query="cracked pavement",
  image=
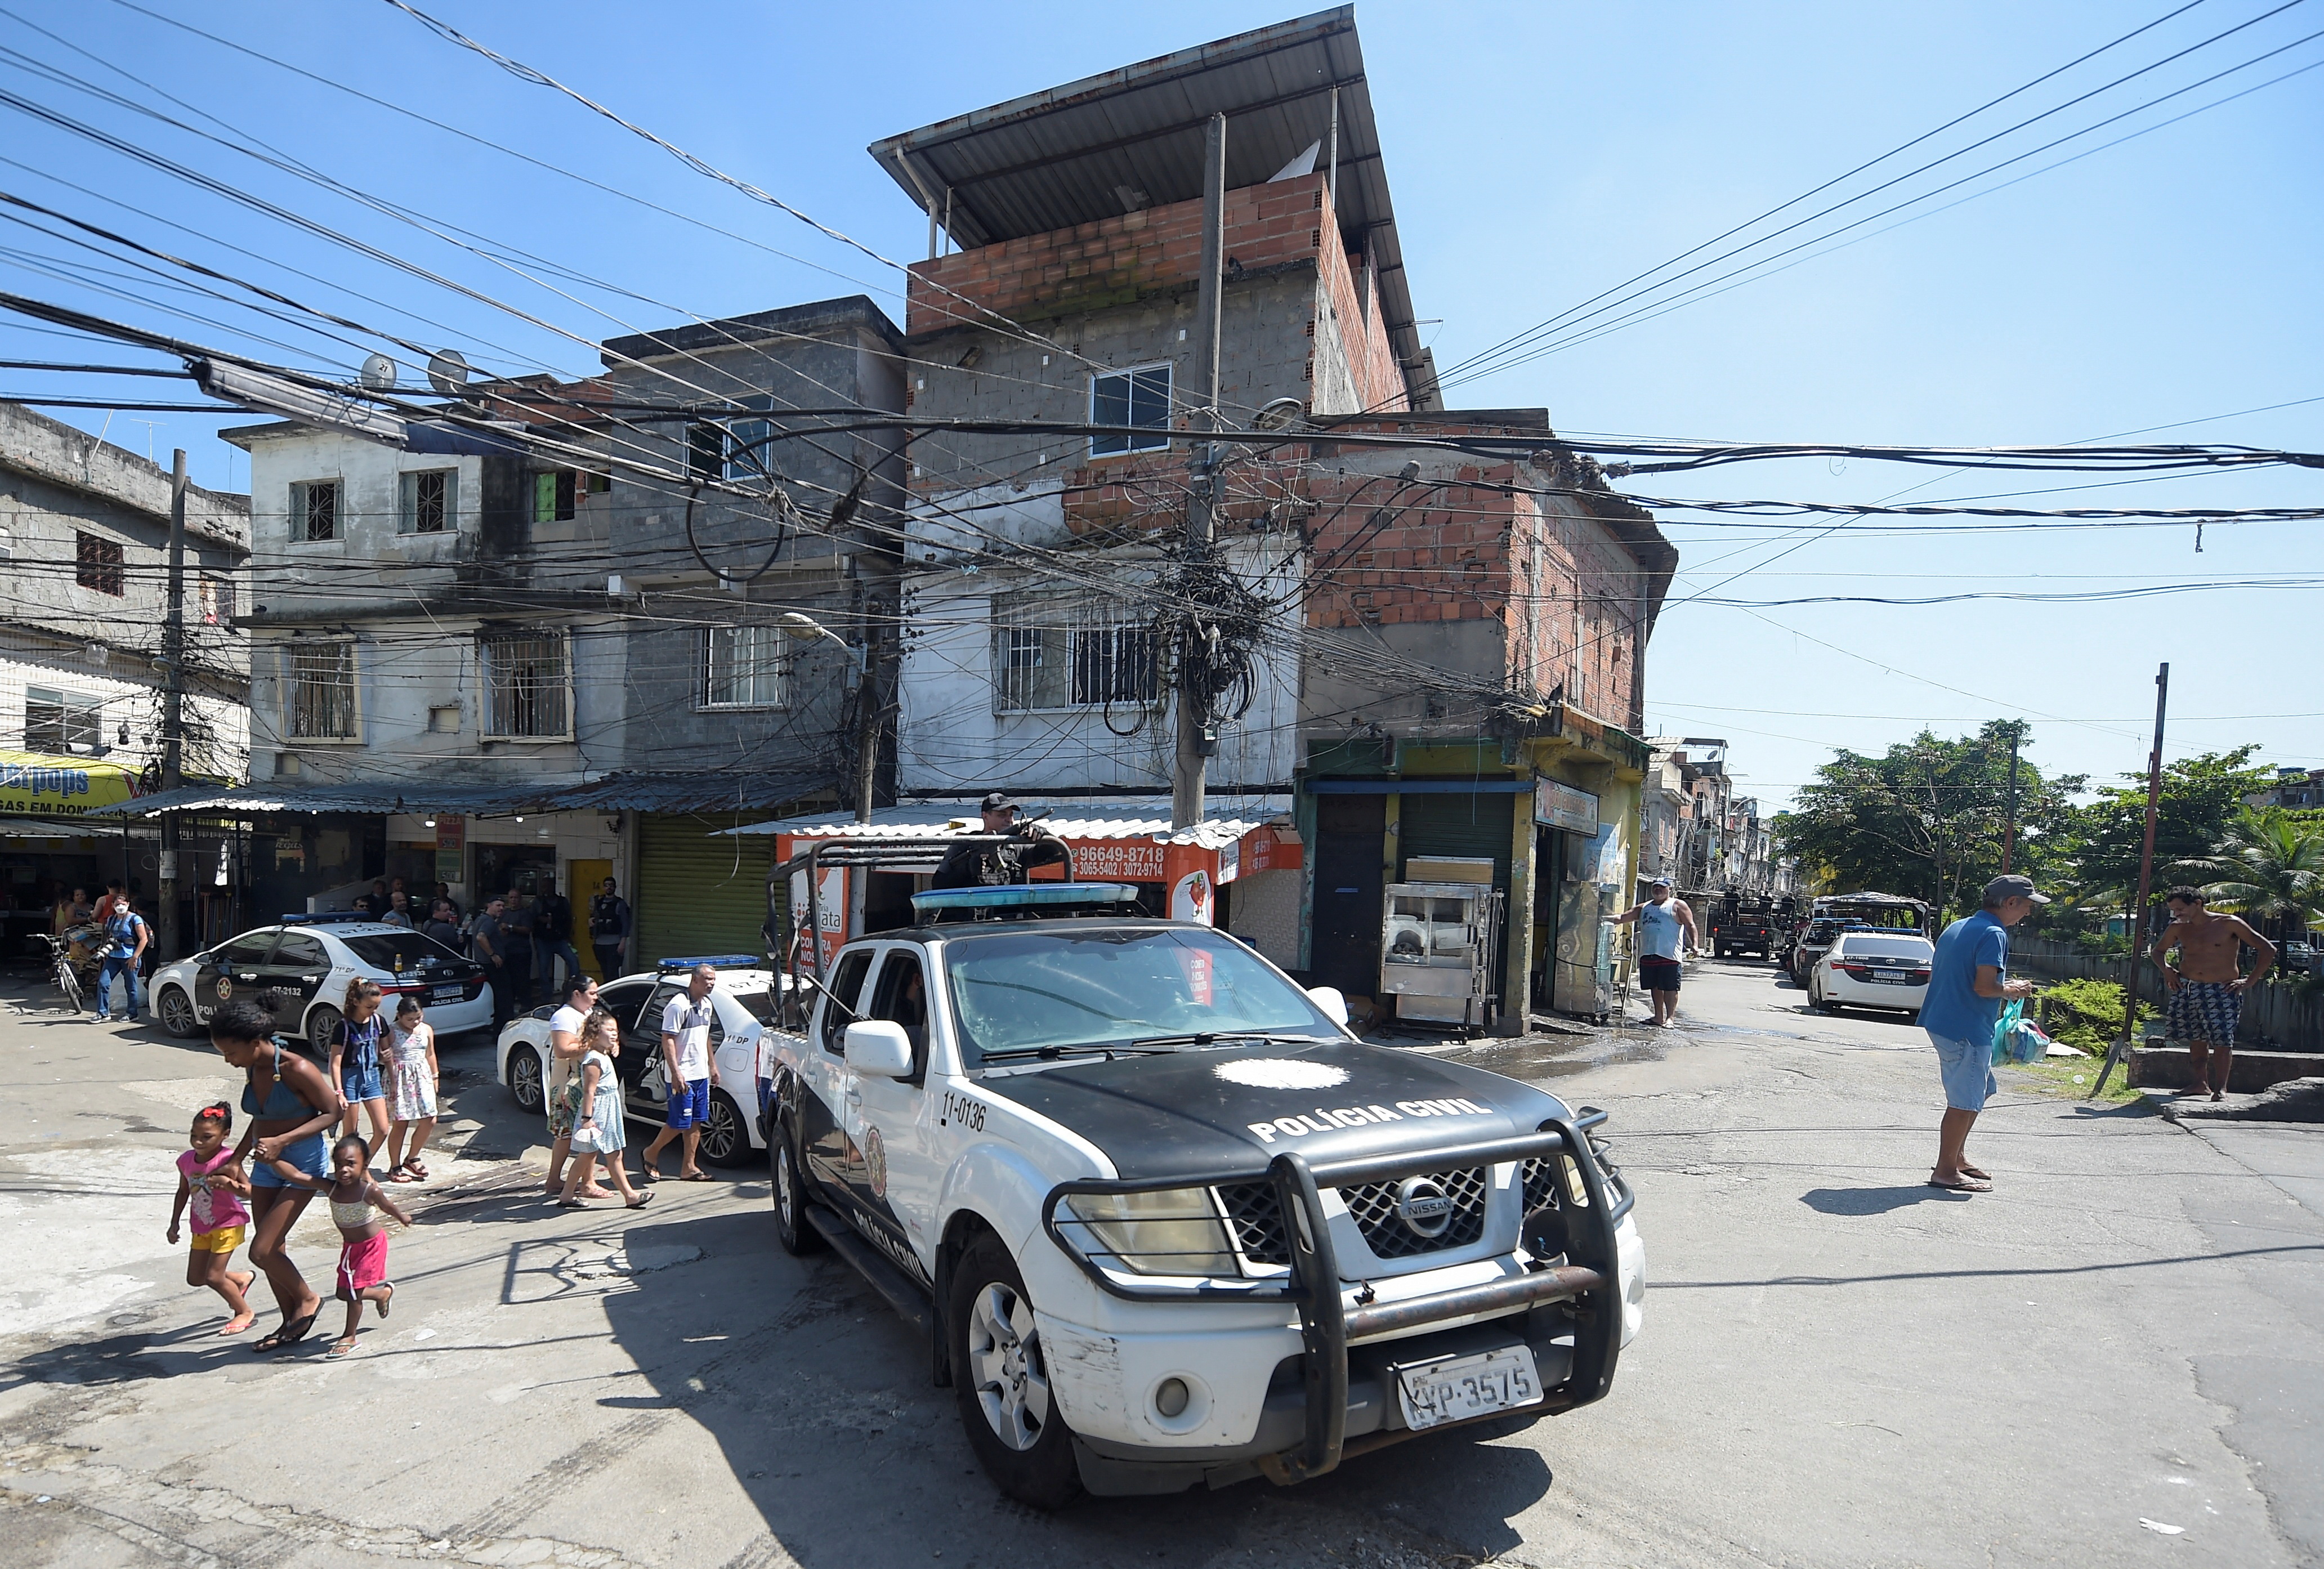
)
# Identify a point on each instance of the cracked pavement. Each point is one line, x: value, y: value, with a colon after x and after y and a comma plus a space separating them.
x: 1840, y: 1366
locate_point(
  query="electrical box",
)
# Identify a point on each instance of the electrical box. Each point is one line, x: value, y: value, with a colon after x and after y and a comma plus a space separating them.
x: 1437, y: 944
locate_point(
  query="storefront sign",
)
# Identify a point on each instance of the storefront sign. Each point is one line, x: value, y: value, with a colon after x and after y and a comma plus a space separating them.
x: 1117, y: 860
x: 1269, y: 850
x: 1230, y: 861
x: 34, y: 784
x: 830, y: 909
x: 1560, y: 805
x: 451, y: 838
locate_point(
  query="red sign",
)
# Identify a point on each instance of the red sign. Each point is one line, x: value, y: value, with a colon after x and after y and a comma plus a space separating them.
x: 1267, y: 850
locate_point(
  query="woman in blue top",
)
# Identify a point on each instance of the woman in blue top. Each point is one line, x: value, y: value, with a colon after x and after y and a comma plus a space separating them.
x: 356, y: 1060
x: 125, y: 935
x: 291, y: 1106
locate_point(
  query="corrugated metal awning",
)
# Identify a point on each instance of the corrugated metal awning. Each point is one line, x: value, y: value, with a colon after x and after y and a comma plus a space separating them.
x: 633, y: 792
x: 1226, y: 821
x: 1133, y: 138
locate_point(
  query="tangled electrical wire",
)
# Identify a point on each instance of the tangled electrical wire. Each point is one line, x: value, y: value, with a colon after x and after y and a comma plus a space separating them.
x: 1215, y: 639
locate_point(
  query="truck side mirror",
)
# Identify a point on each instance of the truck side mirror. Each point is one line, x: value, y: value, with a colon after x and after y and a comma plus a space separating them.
x: 1328, y: 999
x: 878, y: 1047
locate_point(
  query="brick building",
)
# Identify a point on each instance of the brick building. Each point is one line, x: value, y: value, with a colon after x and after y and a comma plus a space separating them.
x: 1456, y: 608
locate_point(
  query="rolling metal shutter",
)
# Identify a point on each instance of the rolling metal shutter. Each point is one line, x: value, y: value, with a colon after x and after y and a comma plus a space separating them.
x: 1459, y: 825
x: 696, y: 894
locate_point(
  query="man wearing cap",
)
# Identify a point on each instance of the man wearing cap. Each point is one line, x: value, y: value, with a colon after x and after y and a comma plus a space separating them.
x: 2207, y: 986
x: 992, y: 865
x: 1966, y: 991
x: 1662, y: 920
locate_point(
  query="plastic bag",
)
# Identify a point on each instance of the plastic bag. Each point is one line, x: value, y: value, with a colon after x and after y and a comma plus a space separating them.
x: 2028, y: 1043
x: 2004, y: 1030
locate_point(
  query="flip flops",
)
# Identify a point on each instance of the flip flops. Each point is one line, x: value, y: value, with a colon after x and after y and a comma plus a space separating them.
x: 639, y: 1202
x: 292, y: 1332
x: 1966, y: 1184
x: 341, y: 1349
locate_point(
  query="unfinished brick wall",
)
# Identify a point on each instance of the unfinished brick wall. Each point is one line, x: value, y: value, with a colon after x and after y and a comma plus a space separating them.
x: 1115, y: 260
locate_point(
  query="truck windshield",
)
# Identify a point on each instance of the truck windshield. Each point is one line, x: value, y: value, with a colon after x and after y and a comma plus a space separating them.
x: 1025, y: 989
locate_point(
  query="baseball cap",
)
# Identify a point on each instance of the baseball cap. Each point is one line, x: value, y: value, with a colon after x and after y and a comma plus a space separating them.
x: 1659, y: 883
x: 998, y: 801
x: 2013, y: 887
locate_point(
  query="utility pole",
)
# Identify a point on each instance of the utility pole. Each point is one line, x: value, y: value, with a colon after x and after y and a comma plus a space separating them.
x: 2121, y: 1048
x: 1196, y: 740
x: 2009, y: 839
x: 173, y: 703
x: 868, y: 714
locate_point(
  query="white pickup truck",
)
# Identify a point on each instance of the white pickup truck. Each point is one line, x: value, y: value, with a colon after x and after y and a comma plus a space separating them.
x: 1164, y: 1221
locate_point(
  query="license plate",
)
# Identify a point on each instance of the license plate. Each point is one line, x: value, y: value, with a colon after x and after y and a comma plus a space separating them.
x: 1453, y: 1388
x: 445, y: 994
x: 1887, y: 974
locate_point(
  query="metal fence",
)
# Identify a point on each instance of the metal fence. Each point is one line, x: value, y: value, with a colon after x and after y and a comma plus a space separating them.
x: 2289, y: 1016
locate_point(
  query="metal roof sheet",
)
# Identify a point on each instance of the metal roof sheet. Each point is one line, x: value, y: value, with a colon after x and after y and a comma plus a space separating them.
x: 636, y: 792
x: 1066, y: 155
x: 1226, y: 820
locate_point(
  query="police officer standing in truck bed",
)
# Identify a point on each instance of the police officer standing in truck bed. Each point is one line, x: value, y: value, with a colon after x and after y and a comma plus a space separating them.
x: 992, y: 865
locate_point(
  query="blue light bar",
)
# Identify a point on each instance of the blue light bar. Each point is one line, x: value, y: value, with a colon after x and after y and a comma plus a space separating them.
x: 1023, y: 896
x: 716, y: 962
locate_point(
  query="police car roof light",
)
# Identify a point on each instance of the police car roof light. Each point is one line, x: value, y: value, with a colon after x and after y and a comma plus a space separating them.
x: 1023, y: 896
x: 716, y: 962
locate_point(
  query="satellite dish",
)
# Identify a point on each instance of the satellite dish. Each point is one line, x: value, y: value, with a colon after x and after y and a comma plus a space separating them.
x: 448, y: 371
x: 378, y: 373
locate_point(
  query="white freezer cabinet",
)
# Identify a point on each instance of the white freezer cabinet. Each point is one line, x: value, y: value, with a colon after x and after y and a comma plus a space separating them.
x: 1437, y: 944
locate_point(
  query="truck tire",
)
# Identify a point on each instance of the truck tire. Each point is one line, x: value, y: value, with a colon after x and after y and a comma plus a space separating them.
x: 793, y: 1230
x: 1000, y: 1380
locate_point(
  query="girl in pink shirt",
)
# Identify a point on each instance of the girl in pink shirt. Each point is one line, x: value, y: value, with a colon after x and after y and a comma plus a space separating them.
x: 210, y: 1182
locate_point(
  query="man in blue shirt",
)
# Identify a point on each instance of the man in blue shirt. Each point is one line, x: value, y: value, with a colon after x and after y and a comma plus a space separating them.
x: 1963, y: 1004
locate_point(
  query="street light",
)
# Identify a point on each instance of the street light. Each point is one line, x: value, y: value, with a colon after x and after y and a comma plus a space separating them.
x: 806, y: 629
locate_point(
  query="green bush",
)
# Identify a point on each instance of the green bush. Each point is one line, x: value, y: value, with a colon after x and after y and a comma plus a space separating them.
x: 2086, y: 1013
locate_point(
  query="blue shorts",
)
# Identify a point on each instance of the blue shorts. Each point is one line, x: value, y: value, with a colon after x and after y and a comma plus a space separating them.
x: 361, y: 1084
x: 691, y: 1109
x: 1966, y: 1069
x: 310, y: 1155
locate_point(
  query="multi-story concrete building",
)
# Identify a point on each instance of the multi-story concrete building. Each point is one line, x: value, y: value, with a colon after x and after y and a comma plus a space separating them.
x: 553, y: 649
x: 84, y: 545
x: 1439, y: 619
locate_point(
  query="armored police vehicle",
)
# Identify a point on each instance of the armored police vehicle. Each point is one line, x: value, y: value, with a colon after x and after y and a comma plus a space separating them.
x: 1164, y: 1221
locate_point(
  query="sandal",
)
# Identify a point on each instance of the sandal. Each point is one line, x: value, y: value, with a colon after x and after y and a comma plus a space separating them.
x: 418, y: 1171
x: 639, y: 1202
x: 399, y: 1173
x: 1966, y: 1184
x: 386, y: 1302
x: 340, y: 1349
x: 570, y: 1204
x: 292, y: 1332
x: 694, y: 1177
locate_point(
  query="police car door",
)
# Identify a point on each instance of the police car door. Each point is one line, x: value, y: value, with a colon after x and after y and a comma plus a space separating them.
x: 826, y: 1077
x: 893, y: 1176
x: 650, y: 1089
x: 235, y: 971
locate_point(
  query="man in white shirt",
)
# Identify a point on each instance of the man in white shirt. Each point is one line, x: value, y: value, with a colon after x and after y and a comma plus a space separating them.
x: 564, y: 1051
x: 685, y: 1067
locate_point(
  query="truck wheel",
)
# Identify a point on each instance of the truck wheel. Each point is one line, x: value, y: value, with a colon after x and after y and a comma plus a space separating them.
x: 1001, y: 1377
x: 793, y: 1230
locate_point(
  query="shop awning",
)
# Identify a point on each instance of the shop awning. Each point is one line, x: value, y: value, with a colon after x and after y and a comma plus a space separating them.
x: 53, y: 827
x: 38, y: 784
x: 633, y: 792
x: 1099, y: 817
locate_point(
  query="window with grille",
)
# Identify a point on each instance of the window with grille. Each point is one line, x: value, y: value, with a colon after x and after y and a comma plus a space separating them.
x: 315, y: 510
x: 554, y: 494
x: 63, y: 722
x: 430, y: 503
x: 97, y: 562
x: 319, y: 700
x: 743, y: 667
x: 1063, y: 653
x: 218, y: 601
x: 528, y: 686
x: 1139, y: 397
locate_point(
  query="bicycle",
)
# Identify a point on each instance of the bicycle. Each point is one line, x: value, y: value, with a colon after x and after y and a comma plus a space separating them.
x: 62, y: 974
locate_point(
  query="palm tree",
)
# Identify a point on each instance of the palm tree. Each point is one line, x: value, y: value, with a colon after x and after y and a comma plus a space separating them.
x: 2269, y: 867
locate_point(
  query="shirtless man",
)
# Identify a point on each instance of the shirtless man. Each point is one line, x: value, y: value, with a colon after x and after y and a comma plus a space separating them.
x: 2206, y: 992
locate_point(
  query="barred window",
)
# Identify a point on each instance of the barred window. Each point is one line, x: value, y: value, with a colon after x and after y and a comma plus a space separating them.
x: 430, y: 503
x: 744, y: 667
x: 527, y: 686
x: 97, y: 562
x: 318, y: 690
x: 315, y: 510
x: 1067, y: 653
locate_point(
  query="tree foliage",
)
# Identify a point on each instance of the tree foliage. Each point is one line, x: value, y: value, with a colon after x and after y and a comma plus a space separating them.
x: 2099, y: 841
x: 1927, y: 818
x: 2269, y: 866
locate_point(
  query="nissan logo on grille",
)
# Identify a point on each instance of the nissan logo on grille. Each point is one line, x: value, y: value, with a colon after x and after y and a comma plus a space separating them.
x: 1424, y: 1207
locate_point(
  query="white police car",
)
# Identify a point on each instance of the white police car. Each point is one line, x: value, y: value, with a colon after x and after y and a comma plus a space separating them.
x: 312, y: 957
x: 1166, y: 1222
x: 743, y: 1004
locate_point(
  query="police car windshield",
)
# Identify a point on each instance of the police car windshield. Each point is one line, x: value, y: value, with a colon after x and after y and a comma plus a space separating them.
x: 1019, y: 992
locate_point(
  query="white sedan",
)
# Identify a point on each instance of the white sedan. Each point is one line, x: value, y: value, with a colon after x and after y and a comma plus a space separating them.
x: 1872, y: 970
x: 743, y: 1011
x: 307, y: 961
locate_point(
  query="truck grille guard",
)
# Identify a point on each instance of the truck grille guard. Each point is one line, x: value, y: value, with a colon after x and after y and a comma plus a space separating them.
x: 1327, y: 1325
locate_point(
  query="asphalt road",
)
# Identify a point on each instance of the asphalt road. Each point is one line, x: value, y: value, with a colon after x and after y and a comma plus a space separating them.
x: 1840, y: 1366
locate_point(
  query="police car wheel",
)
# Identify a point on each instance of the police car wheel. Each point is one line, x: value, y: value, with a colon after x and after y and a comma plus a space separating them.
x: 177, y: 1012
x: 322, y: 1024
x: 1001, y: 1377
x: 524, y: 1078
x: 792, y: 1228
x: 725, y: 1140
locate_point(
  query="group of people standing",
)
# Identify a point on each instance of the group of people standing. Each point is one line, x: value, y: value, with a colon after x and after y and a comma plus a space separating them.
x: 520, y: 939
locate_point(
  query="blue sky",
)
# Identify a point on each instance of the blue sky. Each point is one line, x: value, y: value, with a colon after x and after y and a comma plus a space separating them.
x: 1538, y: 154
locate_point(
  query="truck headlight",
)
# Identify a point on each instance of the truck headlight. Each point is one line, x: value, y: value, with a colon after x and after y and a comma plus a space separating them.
x: 1176, y: 1230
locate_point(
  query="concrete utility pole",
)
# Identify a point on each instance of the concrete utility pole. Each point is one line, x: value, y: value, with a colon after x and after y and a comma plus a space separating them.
x: 1196, y: 740
x: 173, y: 703
x: 2121, y: 1048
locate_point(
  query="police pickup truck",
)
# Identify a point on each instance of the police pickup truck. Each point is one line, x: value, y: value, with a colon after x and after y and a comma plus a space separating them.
x: 1165, y: 1220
